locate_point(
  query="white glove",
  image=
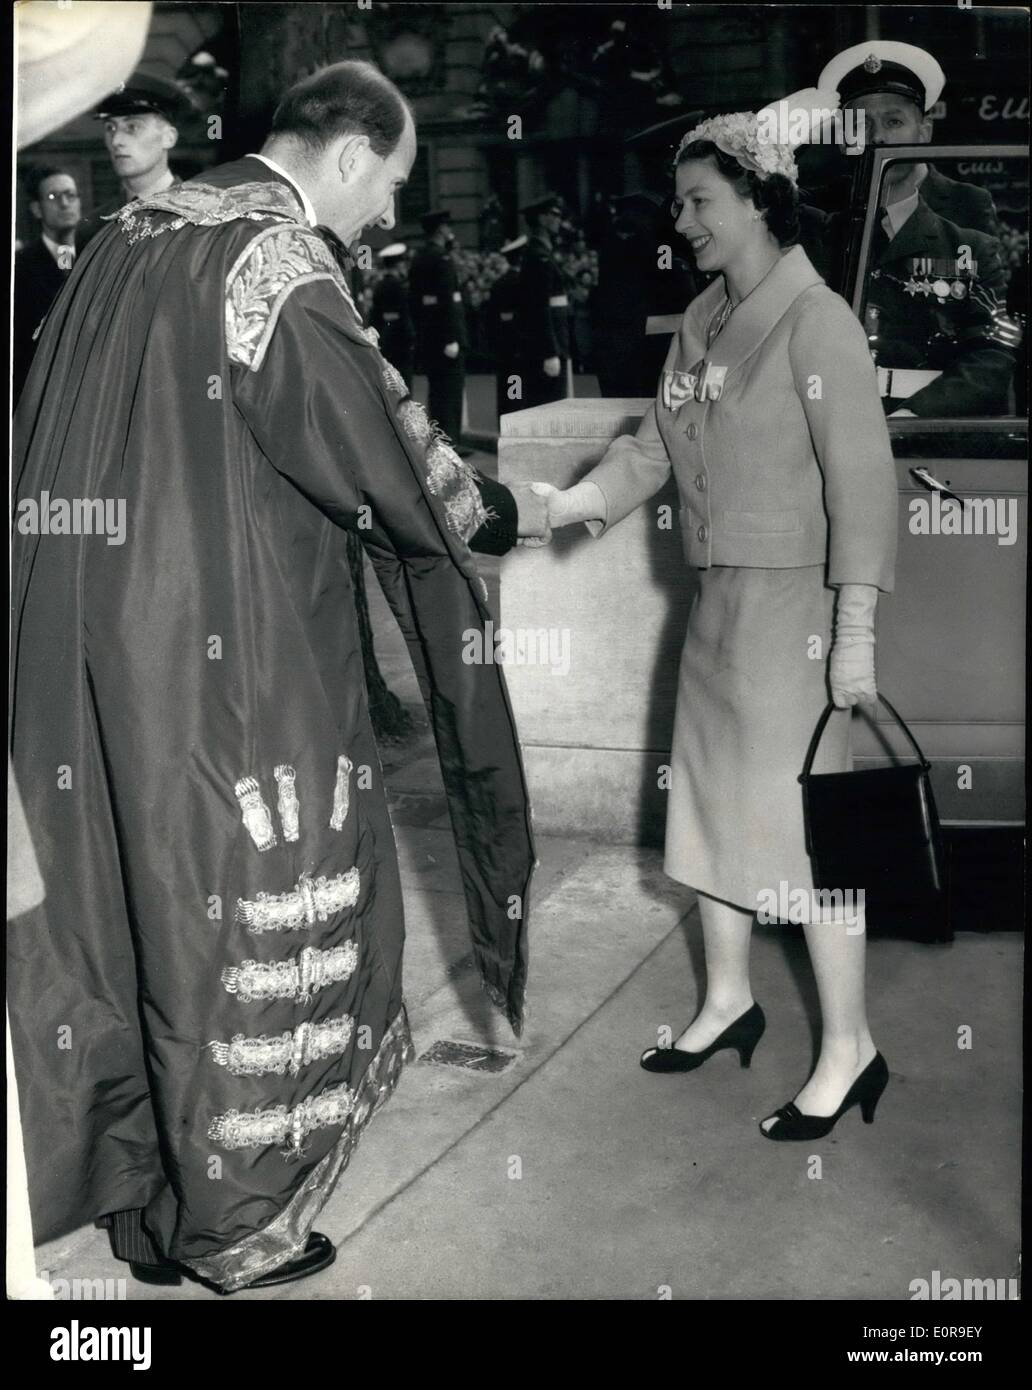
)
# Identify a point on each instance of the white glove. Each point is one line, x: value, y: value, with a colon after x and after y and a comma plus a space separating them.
x: 452, y: 350
x: 851, y: 664
x: 552, y: 366
x: 582, y: 502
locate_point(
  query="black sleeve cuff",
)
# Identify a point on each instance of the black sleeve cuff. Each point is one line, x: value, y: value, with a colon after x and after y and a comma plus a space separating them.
x: 498, y: 533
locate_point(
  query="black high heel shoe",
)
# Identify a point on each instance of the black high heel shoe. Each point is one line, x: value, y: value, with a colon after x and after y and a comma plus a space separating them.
x: 742, y: 1035
x: 866, y: 1091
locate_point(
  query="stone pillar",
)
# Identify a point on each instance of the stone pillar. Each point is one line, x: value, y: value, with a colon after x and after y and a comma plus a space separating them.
x: 594, y: 735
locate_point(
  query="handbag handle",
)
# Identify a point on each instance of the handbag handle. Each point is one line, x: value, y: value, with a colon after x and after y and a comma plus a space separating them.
x: 829, y: 708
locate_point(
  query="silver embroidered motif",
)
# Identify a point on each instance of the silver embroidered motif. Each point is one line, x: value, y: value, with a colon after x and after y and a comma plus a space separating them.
x: 393, y: 379
x: 415, y: 421
x: 255, y: 1129
x: 287, y: 804
x: 309, y: 1042
x: 204, y: 205
x: 272, y: 264
x: 341, y: 792
x: 256, y: 981
x: 256, y: 815
x: 448, y: 477
x: 270, y: 267
x: 310, y: 901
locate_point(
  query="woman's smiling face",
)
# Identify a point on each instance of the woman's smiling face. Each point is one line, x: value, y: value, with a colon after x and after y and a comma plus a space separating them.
x: 717, y: 222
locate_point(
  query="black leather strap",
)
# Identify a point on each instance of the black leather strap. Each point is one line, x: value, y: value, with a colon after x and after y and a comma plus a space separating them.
x: 829, y: 709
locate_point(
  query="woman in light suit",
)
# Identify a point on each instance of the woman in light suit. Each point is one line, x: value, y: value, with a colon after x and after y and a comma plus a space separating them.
x: 769, y: 415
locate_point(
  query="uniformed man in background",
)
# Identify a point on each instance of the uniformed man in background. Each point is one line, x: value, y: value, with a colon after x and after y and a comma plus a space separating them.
x: 544, y: 307
x: 936, y: 305
x: 936, y: 318
x: 141, y: 127
x: 896, y: 85
x: 440, y: 319
x: 504, y: 322
x: 391, y: 315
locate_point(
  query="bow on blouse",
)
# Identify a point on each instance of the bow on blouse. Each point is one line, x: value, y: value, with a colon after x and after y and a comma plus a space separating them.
x: 704, y: 383
x: 678, y: 387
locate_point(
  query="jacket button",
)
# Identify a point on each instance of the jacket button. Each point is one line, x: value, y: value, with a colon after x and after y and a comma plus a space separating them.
x: 700, y: 481
x: 693, y: 431
x: 703, y: 533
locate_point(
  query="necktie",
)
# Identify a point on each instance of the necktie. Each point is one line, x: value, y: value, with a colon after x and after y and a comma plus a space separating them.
x: 881, y: 237
x: 65, y: 258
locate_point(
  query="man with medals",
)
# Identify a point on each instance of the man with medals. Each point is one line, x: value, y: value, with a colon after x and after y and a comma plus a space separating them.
x: 936, y: 306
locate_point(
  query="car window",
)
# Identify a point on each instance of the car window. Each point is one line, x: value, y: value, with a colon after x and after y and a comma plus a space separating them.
x: 943, y: 285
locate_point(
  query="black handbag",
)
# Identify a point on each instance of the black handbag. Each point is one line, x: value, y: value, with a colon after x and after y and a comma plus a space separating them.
x: 878, y: 830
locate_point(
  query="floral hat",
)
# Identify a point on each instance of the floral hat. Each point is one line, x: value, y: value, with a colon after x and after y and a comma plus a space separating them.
x: 765, y: 141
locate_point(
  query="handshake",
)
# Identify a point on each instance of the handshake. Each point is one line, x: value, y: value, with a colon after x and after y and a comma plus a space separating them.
x: 540, y: 508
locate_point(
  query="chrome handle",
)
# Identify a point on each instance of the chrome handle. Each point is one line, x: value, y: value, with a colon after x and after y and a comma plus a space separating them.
x: 932, y: 484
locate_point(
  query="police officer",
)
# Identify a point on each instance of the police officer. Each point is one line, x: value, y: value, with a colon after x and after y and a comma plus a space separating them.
x: 440, y: 319
x: 391, y: 315
x: 544, y: 307
x: 141, y: 126
x: 504, y: 322
x: 895, y: 85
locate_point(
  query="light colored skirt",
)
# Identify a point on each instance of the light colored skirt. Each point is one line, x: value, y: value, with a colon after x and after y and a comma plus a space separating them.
x: 751, y: 687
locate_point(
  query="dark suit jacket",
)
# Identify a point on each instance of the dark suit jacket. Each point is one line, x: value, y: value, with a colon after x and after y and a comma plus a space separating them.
x: 37, y: 280
x: 964, y: 204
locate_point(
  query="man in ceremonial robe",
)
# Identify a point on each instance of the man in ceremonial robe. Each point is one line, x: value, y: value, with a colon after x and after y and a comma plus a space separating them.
x: 209, y: 1007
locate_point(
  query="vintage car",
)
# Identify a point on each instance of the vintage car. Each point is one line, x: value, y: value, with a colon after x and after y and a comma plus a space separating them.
x: 951, y: 637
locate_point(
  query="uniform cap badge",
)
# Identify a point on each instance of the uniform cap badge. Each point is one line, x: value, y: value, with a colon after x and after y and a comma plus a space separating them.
x: 872, y: 63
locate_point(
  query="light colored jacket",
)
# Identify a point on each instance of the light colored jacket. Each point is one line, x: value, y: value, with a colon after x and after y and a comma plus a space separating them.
x: 792, y: 465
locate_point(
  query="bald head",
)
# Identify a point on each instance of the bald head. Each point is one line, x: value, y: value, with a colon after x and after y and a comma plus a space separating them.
x: 347, y: 136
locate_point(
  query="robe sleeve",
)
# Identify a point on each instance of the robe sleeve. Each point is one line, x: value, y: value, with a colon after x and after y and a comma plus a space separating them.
x: 323, y: 413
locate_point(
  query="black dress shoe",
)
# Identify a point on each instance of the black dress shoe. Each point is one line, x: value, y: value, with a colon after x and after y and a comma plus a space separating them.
x: 742, y: 1035
x: 318, y: 1254
x: 165, y: 1272
x: 866, y: 1091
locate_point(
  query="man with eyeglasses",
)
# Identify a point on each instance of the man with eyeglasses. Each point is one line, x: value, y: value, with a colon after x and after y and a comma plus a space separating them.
x: 42, y: 267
